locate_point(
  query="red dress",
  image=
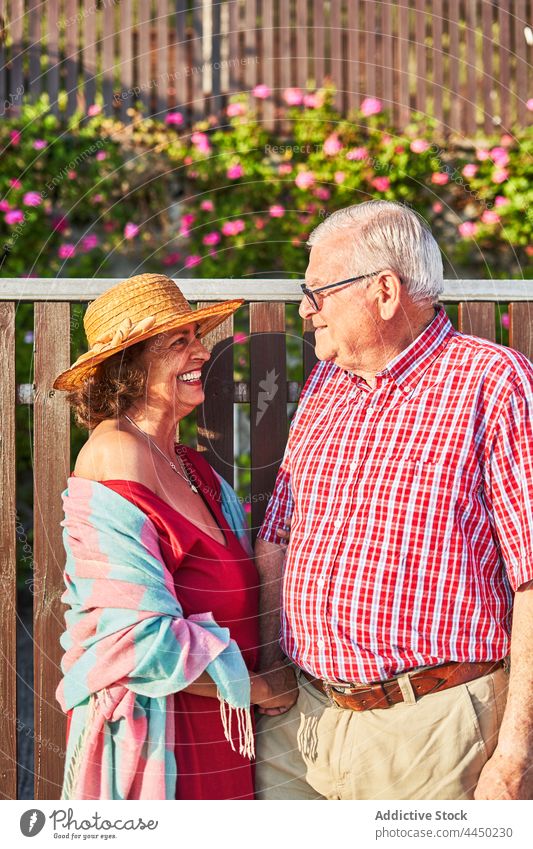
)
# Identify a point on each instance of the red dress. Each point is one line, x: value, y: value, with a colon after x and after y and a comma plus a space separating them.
x: 208, y: 577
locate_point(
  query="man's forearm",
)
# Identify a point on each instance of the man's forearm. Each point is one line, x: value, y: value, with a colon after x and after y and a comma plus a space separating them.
x: 269, y: 559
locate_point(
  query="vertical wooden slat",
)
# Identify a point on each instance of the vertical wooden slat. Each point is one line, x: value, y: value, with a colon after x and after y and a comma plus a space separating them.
x: 478, y: 319
x: 144, y: 70
x: 318, y: 42
x: 520, y: 86
x: 51, y: 469
x: 89, y: 52
x: 285, y: 45
x: 235, y: 82
x: 17, y: 48
x: 420, y: 54
x: 302, y: 32
x: 8, y: 562
x: 486, y: 58
x: 34, y: 32
x: 521, y: 328
x: 402, y: 66
x: 354, y: 55
x: 471, y: 82
x: 388, y: 55
x: 52, y: 52
x: 215, y: 416
x: 181, y: 54
x: 268, y: 61
x: 268, y: 402
x: 335, y: 30
x: 197, y: 77
x: 454, y: 60
x: 216, y: 88
x: 250, y: 43
x: 71, y: 55
x: 3, y: 87
x: 309, y: 358
x: 504, y: 41
x: 437, y: 63
x: 370, y: 49
x: 108, y: 57
x: 162, y: 57
x: 126, y: 58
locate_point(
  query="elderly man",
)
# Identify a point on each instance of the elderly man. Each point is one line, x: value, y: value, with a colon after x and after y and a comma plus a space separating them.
x: 408, y: 477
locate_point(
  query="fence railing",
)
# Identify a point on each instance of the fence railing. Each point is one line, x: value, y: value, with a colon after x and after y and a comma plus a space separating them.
x: 52, y: 299
x: 465, y: 62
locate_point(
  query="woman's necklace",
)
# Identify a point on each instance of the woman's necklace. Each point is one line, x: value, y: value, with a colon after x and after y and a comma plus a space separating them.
x: 184, y: 474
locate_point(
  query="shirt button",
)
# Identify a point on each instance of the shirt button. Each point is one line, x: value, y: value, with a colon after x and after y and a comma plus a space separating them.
x: 353, y: 465
x: 337, y: 524
x: 320, y: 644
x: 321, y: 582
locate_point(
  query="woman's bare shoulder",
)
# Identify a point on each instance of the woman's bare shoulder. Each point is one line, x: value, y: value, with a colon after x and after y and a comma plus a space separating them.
x: 113, y: 454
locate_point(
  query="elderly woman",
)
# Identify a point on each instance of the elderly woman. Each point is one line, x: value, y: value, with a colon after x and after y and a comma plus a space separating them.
x: 162, y: 634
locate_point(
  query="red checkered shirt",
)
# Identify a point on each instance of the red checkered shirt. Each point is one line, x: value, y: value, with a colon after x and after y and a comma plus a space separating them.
x: 411, y: 508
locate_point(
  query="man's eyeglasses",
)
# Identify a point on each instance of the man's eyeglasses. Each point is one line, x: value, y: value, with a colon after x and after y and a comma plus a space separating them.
x: 311, y: 294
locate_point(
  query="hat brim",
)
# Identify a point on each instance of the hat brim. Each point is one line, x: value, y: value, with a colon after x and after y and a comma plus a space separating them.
x: 208, y: 318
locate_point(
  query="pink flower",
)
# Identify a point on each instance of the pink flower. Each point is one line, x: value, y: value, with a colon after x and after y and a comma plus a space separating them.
x: 110, y: 226
x: 188, y: 219
x: 284, y: 168
x: 174, y: 119
x: 399, y: 149
x: 332, y: 145
x: 93, y: 110
x: 88, y: 243
x: 339, y: 177
x: 14, y: 216
x: 171, y: 258
x: 277, y: 211
x: 259, y: 223
x: 505, y: 320
x: 15, y: 137
x: 101, y: 155
x: 201, y: 142
x: 5, y: 206
x: 322, y: 193
x: 419, y: 146
x: 207, y: 205
x: 192, y: 260
x: 500, y: 175
x: 239, y: 338
x: 499, y: 156
x: 304, y: 179
x: 293, y: 96
x: 382, y: 184
x: 212, y: 238
x: 234, y: 172
x: 130, y: 230
x: 357, y: 153
x: 40, y: 144
x: 98, y: 198
x: 506, y: 140
x: 371, y: 106
x: 32, y: 199
x: 437, y: 207
x: 490, y: 217
x: 187, y: 160
x: 66, y: 251
x: 232, y: 228
x: 15, y: 184
x: 470, y: 170
x: 235, y: 109
x: 482, y: 154
x: 529, y: 104
x: 440, y: 178
x: 500, y: 200
x: 60, y: 224
x: 467, y: 229
x: 72, y: 175
x: 529, y: 250
x: 261, y: 91
x: 313, y: 101
x: 185, y: 232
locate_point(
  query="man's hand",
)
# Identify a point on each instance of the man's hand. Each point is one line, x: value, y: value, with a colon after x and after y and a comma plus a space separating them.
x: 275, y: 690
x: 505, y: 778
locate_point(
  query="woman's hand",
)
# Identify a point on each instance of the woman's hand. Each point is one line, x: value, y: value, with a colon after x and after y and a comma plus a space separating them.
x: 285, y: 533
x: 275, y: 690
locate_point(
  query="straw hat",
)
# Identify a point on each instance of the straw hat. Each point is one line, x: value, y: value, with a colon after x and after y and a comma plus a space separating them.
x: 134, y: 310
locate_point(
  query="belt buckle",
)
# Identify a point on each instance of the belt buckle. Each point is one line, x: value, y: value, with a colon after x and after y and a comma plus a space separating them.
x: 329, y: 693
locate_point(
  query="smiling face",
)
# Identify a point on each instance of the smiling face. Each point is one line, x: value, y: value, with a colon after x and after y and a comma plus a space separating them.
x: 173, y: 362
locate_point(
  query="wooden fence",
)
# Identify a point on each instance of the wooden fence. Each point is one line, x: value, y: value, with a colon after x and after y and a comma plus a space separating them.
x: 465, y: 62
x: 51, y: 453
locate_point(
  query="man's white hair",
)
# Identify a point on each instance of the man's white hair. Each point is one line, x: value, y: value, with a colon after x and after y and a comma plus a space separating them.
x: 389, y: 235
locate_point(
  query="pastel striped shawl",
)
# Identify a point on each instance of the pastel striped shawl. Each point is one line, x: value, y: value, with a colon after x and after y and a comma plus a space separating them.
x: 128, y: 648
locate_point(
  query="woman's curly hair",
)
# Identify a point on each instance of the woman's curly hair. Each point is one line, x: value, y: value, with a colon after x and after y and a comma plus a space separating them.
x: 114, y: 385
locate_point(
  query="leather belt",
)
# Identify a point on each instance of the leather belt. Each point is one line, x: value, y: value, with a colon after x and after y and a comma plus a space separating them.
x: 385, y: 694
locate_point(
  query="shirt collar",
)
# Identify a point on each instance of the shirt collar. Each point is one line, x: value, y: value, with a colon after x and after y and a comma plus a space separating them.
x: 407, y: 368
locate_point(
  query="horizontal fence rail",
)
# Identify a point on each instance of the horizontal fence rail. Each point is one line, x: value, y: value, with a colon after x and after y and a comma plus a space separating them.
x: 266, y: 393
x: 465, y: 62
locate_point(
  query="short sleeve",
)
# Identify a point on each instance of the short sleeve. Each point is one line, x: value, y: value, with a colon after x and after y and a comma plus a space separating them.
x: 280, y: 506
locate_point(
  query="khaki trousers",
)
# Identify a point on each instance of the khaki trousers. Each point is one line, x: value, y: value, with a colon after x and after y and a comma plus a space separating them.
x: 431, y: 749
